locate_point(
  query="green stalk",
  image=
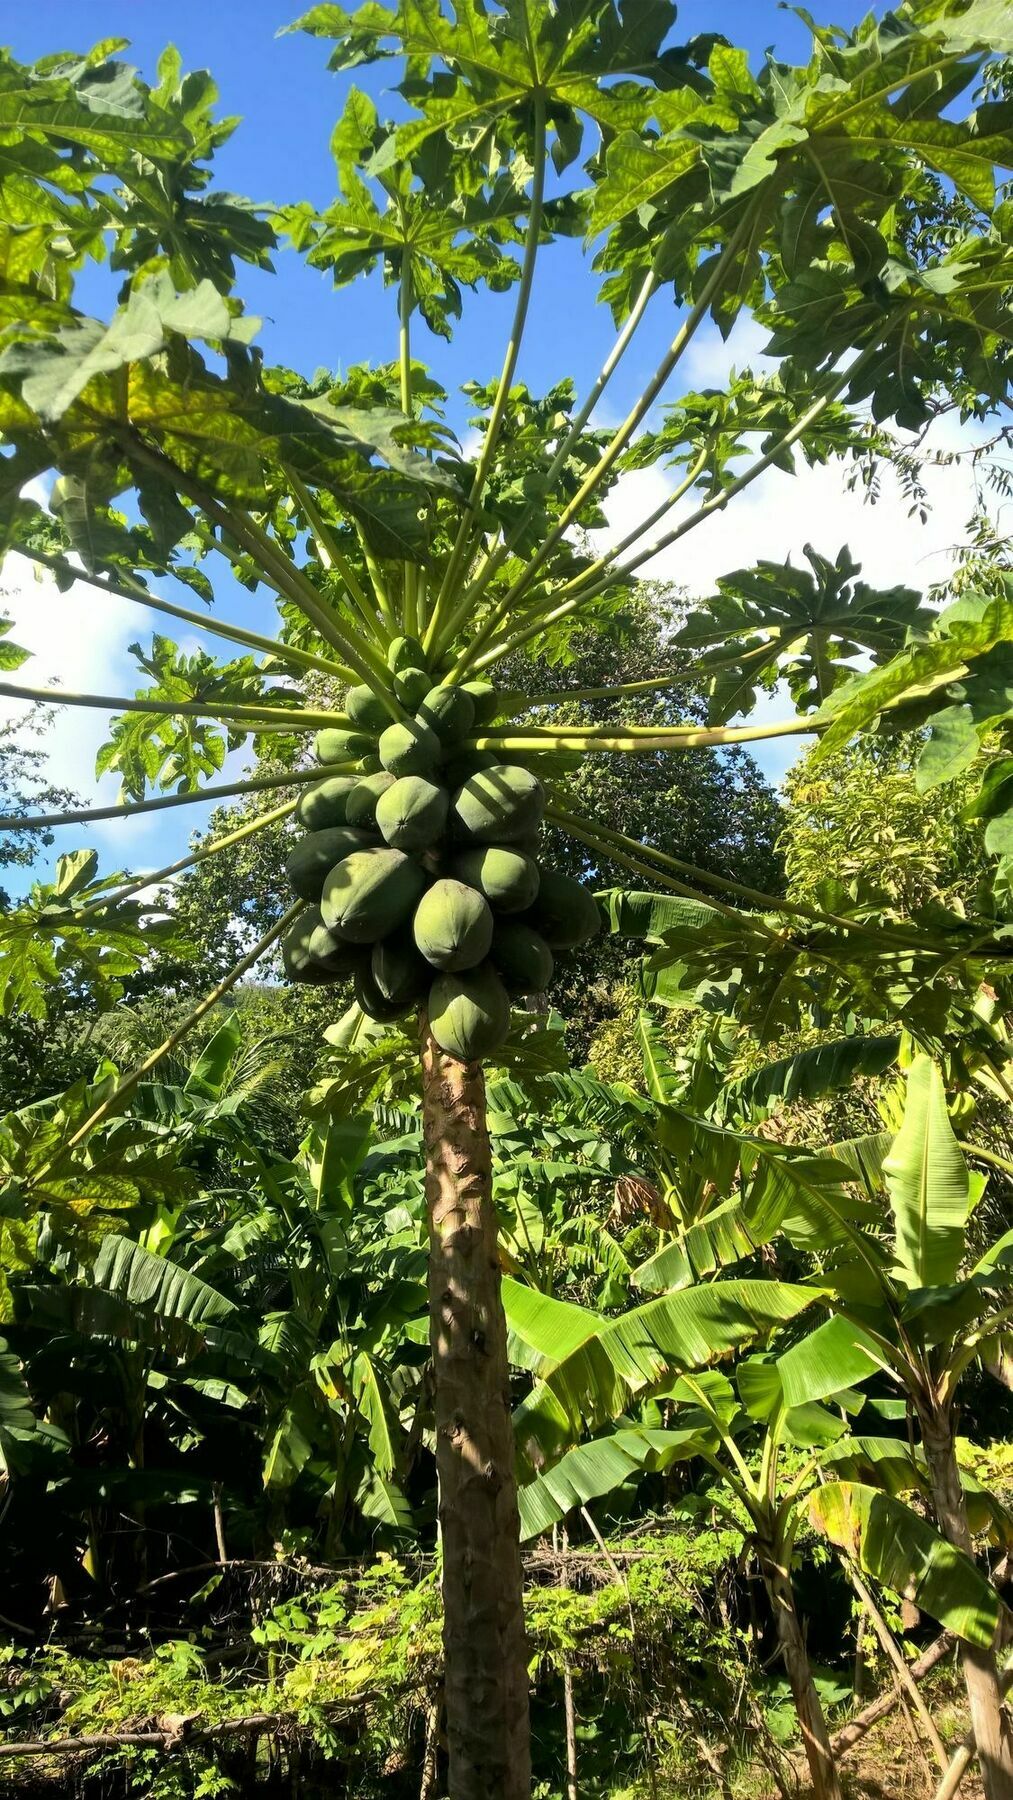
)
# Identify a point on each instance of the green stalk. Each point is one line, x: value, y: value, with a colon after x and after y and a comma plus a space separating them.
x: 703, y: 878
x: 495, y: 559
x: 660, y: 877
x: 637, y: 740
x: 278, y: 568
x: 550, y: 597
x: 718, y: 502
x: 259, y: 718
x: 410, y: 609
x: 434, y: 630
x: 376, y: 576
x: 235, y: 634
x: 131, y: 1081
x: 331, y: 557
x: 87, y: 815
x: 186, y: 862
x: 610, y: 456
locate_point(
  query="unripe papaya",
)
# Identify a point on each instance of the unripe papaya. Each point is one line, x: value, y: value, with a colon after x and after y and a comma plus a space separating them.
x: 469, y: 1014
x: 370, y: 893
x: 411, y: 687
x: 369, y: 765
x: 412, y: 813
x: 298, y: 962
x: 365, y: 796
x: 499, y: 804
x: 453, y: 925
x: 521, y: 957
x: 366, y: 709
x: 564, y: 911
x: 326, y: 802
x: 448, y: 711
x: 410, y: 749
x: 484, y: 699
x: 504, y: 875
x: 334, y: 954
x: 405, y: 653
x: 461, y: 765
x: 372, y: 1002
x: 400, y: 973
x: 333, y: 745
x: 310, y: 859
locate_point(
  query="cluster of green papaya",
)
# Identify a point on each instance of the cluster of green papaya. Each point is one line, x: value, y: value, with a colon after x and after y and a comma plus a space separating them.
x: 421, y: 866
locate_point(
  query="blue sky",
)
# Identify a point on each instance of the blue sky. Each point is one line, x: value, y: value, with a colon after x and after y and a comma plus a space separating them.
x: 288, y: 102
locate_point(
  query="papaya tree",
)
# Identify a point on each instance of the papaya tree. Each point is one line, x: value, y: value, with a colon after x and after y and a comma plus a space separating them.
x: 407, y: 569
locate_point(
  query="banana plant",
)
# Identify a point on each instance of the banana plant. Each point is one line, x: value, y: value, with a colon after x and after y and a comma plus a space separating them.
x: 406, y: 571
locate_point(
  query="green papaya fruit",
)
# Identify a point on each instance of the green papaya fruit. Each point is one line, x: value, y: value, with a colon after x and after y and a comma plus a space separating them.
x: 504, y: 875
x: 405, y: 653
x: 310, y: 859
x: 369, y: 765
x: 412, y: 813
x: 366, y: 709
x: 299, y: 964
x: 334, y: 954
x: 365, y: 797
x: 484, y: 699
x: 373, y: 1003
x: 334, y: 746
x: 370, y: 893
x: 326, y: 802
x: 461, y: 765
x: 453, y: 925
x: 521, y: 957
x: 410, y: 749
x: 448, y: 711
x: 400, y: 973
x: 564, y: 911
x: 498, y: 805
x: 411, y: 687
x: 469, y: 1014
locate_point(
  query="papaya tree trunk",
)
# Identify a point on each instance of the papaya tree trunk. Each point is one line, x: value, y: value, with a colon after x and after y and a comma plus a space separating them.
x: 812, y: 1724
x: 989, y: 1720
x: 486, y: 1682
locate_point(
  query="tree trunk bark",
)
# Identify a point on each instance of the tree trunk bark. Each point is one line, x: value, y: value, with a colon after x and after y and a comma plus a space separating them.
x: 486, y: 1685
x: 815, y: 1736
x: 989, y: 1722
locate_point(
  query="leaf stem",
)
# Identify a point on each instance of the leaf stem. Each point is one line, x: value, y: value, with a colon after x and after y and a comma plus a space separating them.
x: 258, y: 718
x: 405, y: 302
x: 136, y: 1075
x: 235, y: 634
x: 610, y: 456
x: 86, y: 815
x: 332, y: 557
x: 434, y: 630
x: 156, y: 876
x: 495, y: 558
x: 638, y: 739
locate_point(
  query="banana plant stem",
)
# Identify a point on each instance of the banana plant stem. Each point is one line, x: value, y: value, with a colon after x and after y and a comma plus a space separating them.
x: 86, y: 815
x: 157, y: 876
x: 434, y: 631
x: 234, y: 634
x: 258, y: 718
x: 136, y: 1075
